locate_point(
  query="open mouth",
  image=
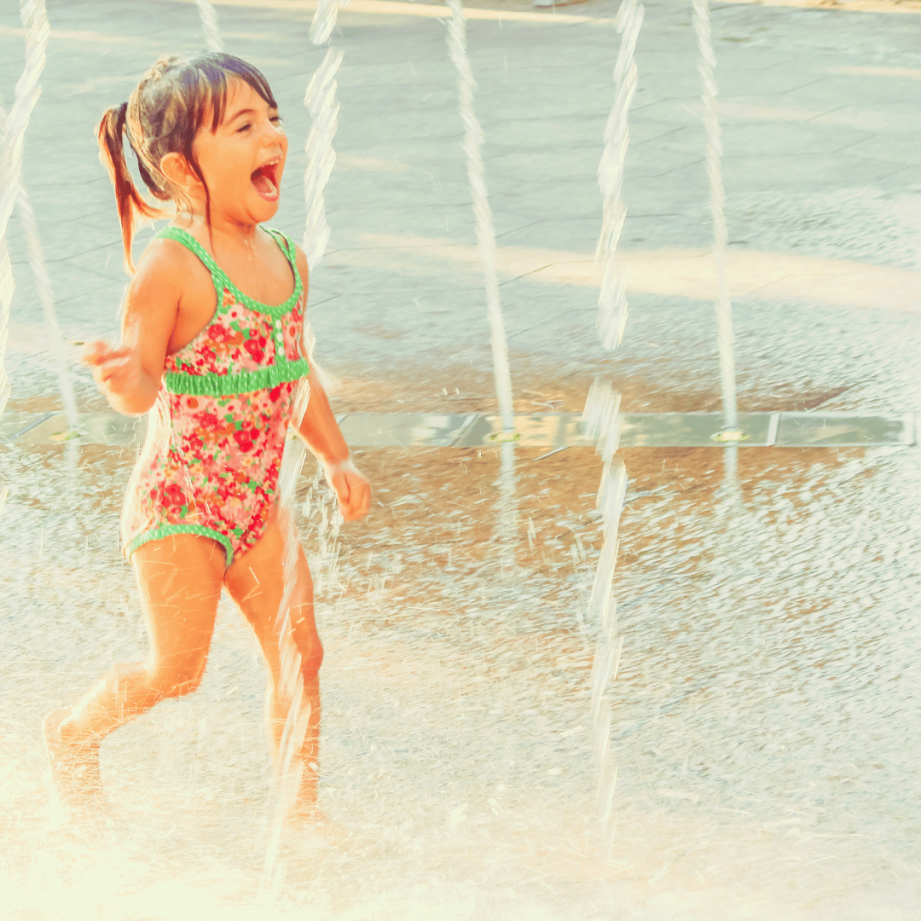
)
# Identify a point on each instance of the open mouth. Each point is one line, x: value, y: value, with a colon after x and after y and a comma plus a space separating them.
x: 265, y: 179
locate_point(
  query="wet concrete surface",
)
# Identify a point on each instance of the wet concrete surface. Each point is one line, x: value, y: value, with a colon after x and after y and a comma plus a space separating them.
x: 765, y: 711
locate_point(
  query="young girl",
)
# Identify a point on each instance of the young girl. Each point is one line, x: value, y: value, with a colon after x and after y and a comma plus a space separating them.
x: 213, y: 344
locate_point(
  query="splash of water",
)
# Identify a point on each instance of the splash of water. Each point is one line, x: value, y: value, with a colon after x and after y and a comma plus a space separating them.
x: 46, y: 296
x: 717, y: 198
x: 602, y: 417
x: 320, y: 99
x: 507, y: 509
x: 602, y: 421
x: 612, y: 300
x: 288, y: 769
x: 324, y: 21
x: 7, y: 286
x: 209, y: 25
x: 486, y: 237
x: 28, y: 88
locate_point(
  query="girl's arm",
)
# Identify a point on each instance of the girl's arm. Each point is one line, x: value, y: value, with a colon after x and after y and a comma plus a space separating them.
x: 129, y: 376
x: 319, y: 429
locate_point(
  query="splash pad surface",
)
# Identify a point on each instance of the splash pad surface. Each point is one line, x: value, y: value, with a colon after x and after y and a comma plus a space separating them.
x: 763, y: 722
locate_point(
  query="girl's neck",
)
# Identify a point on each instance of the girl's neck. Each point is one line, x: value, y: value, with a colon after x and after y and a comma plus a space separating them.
x: 220, y: 232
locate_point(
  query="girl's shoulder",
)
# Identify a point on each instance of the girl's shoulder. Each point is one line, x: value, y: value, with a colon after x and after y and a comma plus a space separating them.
x: 168, y: 270
x: 169, y: 251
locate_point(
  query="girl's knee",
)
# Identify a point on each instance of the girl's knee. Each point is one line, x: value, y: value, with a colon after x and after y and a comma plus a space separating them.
x: 176, y: 682
x: 311, y: 658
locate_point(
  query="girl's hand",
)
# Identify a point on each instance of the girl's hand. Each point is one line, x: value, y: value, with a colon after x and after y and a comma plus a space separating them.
x: 352, y: 489
x: 117, y: 372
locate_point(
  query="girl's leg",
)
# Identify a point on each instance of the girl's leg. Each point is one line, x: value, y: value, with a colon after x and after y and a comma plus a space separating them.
x: 179, y: 578
x: 256, y: 583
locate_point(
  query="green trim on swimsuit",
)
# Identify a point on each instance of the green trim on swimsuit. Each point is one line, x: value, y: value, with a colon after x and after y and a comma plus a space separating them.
x: 228, y: 385
x: 218, y: 274
x: 198, y: 530
x: 281, y: 371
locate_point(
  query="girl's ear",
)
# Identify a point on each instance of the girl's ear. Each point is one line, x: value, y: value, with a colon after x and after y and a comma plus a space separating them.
x: 177, y: 170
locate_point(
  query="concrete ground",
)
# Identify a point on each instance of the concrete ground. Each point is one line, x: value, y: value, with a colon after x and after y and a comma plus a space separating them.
x: 819, y: 110
x: 765, y: 711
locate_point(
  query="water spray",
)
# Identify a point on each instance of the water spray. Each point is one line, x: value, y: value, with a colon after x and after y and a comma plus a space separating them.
x: 208, y: 16
x: 612, y: 300
x: 731, y: 434
x: 602, y: 417
x: 486, y: 242
x: 28, y: 89
x: 320, y: 99
x: 717, y: 198
x: 46, y: 296
x: 486, y: 237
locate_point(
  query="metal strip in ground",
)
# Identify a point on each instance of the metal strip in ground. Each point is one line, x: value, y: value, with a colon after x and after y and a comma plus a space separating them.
x: 532, y: 430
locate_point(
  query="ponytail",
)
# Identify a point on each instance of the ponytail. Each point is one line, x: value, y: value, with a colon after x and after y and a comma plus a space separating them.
x: 111, y: 131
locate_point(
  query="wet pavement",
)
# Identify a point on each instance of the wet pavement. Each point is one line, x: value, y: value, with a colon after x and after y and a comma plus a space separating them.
x: 765, y: 710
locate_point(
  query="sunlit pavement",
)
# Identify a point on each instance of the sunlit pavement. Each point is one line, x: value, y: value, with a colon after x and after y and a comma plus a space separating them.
x: 765, y: 724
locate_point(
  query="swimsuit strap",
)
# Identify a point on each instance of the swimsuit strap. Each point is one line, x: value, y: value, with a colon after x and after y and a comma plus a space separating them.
x: 188, y: 241
x: 286, y: 244
x: 221, y: 279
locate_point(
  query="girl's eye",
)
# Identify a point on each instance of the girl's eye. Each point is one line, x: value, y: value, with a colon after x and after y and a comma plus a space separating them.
x: 243, y: 128
x: 276, y: 120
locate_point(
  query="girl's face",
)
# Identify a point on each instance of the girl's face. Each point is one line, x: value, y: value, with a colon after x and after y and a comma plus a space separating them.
x: 244, y: 159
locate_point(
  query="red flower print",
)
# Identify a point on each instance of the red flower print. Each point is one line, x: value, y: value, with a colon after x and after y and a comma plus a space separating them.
x: 275, y: 393
x: 172, y: 495
x: 218, y: 333
x: 192, y: 403
x: 256, y: 352
x: 243, y: 440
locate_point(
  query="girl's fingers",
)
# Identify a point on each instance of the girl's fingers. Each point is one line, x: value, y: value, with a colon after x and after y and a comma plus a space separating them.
x: 93, y: 351
x: 106, y: 370
x: 364, y: 498
x: 358, y: 502
x: 353, y: 492
x: 97, y: 353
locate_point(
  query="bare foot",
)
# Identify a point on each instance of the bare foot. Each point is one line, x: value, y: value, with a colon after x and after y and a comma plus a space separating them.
x: 316, y: 829
x: 74, y: 766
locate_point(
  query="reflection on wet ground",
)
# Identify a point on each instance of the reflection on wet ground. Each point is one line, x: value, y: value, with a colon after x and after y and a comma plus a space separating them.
x: 764, y: 719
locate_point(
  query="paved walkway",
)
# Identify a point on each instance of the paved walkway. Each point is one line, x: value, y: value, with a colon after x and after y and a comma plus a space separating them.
x: 820, y: 113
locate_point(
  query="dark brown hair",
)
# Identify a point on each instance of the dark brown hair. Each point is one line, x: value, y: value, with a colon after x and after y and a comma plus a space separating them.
x: 163, y: 115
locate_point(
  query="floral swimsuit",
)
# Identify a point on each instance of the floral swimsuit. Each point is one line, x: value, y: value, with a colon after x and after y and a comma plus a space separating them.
x: 217, y: 431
